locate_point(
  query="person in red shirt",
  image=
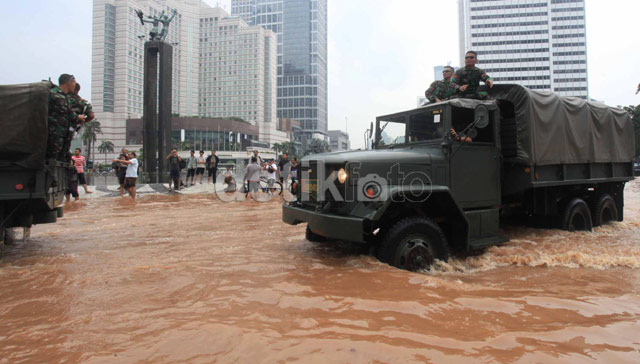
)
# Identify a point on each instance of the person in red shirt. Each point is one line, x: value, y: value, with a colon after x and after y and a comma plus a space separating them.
x: 79, y: 162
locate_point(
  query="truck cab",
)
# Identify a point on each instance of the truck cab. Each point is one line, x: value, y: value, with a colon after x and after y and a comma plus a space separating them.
x: 418, y: 194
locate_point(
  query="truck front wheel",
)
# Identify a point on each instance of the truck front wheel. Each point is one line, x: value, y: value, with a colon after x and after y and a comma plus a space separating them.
x: 413, y: 244
x: 605, y: 210
x: 314, y: 238
x: 576, y: 216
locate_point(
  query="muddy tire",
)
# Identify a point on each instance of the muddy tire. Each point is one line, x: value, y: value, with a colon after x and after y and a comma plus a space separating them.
x: 605, y: 210
x: 576, y: 216
x: 314, y: 238
x: 413, y: 244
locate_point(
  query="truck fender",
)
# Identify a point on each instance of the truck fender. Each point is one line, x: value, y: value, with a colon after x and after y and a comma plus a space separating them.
x: 436, y: 202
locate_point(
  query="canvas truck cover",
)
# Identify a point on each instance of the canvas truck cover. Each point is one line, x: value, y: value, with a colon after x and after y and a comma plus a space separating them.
x: 23, y: 124
x: 552, y: 129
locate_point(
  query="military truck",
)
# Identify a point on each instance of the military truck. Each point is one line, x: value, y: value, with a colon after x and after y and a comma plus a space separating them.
x: 32, y: 188
x: 421, y: 193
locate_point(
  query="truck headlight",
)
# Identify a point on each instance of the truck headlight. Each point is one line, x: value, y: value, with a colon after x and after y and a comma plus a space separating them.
x: 342, y: 175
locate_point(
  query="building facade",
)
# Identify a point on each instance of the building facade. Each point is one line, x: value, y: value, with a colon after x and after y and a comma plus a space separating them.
x: 540, y: 44
x: 339, y: 140
x: 301, y: 29
x: 201, y: 133
x: 222, y: 67
x: 237, y: 75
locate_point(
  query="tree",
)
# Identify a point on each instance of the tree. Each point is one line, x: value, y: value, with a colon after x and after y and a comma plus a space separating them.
x: 235, y: 118
x: 105, y: 147
x: 634, y: 113
x: 90, y: 133
x: 317, y: 146
x: 291, y: 149
x: 277, y: 147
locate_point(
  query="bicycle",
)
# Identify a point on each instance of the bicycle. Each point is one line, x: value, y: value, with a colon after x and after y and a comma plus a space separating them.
x: 264, y: 186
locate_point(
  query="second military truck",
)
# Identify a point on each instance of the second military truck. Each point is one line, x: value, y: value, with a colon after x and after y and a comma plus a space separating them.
x: 32, y: 188
x: 423, y: 192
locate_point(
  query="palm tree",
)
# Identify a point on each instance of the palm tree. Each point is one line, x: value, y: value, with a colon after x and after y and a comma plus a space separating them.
x: 290, y: 148
x: 90, y: 134
x: 105, y: 147
x: 277, y: 147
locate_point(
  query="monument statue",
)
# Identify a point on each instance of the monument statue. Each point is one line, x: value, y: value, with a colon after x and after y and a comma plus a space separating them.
x: 156, y: 33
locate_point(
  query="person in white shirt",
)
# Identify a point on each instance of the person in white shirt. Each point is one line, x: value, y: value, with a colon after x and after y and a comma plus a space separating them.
x: 132, y: 173
x: 272, y: 168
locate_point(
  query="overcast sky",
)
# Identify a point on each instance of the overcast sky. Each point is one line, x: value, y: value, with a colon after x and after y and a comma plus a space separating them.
x: 381, y: 53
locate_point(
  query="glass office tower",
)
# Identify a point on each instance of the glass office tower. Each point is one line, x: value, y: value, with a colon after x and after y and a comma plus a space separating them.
x: 301, y: 28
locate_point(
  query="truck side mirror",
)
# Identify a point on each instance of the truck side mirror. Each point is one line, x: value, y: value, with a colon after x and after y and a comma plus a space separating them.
x: 481, y: 117
x: 370, y: 129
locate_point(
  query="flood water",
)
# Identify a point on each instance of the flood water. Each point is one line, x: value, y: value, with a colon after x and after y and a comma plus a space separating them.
x: 192, y: 279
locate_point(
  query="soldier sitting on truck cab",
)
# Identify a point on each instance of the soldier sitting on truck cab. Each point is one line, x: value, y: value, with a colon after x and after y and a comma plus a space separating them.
x: 468, y: 78
x: 444, y: 89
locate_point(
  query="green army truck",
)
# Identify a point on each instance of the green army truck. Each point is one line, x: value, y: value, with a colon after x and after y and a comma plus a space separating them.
x: 421, y: 192
x: 31, y: 187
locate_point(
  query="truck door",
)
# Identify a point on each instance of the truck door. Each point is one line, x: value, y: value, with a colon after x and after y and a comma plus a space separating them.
x: 475, y: 170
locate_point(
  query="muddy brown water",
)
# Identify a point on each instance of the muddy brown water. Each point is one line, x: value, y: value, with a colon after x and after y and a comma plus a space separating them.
x: 191, y: 279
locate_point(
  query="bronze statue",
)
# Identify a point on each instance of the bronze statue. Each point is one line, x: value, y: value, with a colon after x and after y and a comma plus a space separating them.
x: 156, y: 33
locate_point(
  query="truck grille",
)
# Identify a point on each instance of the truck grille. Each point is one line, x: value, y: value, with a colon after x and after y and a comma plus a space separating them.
x: 311, y: 182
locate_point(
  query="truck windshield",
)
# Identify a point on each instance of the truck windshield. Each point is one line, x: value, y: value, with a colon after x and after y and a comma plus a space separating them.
x: 392, y: 132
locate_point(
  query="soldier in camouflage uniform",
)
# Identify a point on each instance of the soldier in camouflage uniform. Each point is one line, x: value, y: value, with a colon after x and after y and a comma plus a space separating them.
x: 79, y: 106
x: 468, y: 78
x: 443, y: 89
x: 60, y: 115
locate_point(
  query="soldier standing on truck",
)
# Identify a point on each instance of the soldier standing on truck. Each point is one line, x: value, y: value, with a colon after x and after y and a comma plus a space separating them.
x: 468, y: 78
x: 443, y: 89
x: 60, y: 116
x: 79, y: 106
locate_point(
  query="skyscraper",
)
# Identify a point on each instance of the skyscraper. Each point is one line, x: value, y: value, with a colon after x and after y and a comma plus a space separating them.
x: 540, y: 44
x: 222, y: 67
x: 301, y: 28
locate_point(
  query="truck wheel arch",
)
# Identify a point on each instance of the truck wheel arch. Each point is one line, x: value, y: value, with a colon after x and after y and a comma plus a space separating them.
x: 437, y: 205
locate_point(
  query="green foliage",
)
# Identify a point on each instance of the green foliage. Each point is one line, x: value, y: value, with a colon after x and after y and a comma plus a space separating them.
x: 291, y: 149
x: 90, y: 133
x: 106, y: 147
x: 235, y: 118
x: 634, y: 113
x: 317, y: 146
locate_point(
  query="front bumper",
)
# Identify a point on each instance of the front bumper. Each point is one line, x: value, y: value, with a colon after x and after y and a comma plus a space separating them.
x: 327, y: 225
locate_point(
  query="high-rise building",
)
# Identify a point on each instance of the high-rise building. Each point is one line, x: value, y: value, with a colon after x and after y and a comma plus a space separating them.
x: 540, y: 44
x: 301, y: 28
x: 222, y: 67
x: 339, y: 140
x: 238, y: 72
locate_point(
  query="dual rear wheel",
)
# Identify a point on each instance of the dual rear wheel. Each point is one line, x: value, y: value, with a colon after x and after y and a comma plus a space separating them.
x: 578, y: 217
